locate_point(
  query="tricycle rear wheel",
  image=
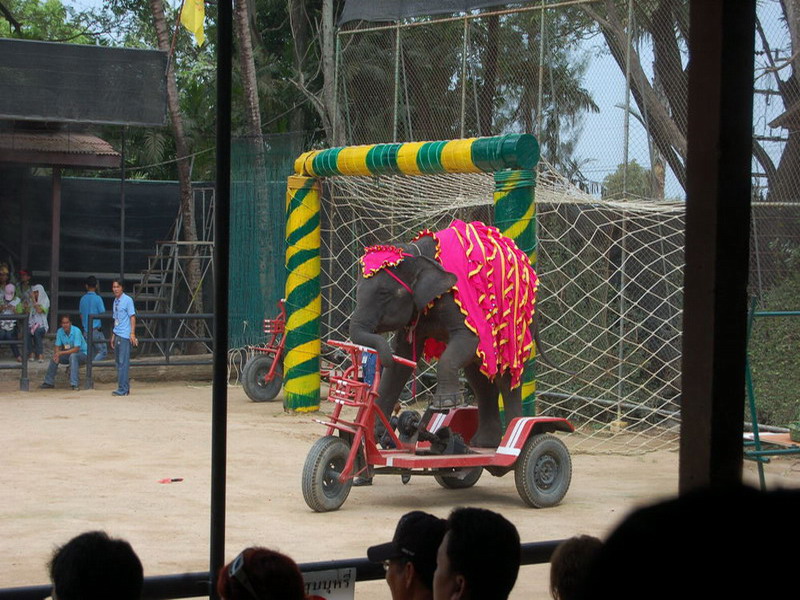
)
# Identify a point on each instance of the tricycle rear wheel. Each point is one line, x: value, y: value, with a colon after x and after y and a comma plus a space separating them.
x: 254, y: 378
x: 455, y: 481
x: 543, y: 471
x: 322, y: 489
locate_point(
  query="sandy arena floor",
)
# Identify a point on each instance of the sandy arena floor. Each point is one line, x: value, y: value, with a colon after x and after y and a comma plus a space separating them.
x: 75, y: 461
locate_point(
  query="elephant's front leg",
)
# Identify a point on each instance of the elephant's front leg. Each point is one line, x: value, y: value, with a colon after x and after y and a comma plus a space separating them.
x: 394, y: 376
x: 461, y: 351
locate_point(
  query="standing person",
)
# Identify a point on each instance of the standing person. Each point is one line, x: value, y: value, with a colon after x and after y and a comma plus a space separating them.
x: 122, y: 336
x: 70, y: 349
x: 24, y: 286
x: 8, y: 328
x: 478, y: 558
x: 410, y: 558
x: 92, y: 304
x: 37, y: 307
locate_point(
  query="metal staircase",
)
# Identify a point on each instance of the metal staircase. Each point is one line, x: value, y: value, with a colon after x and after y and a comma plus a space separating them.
x: 164, y: 286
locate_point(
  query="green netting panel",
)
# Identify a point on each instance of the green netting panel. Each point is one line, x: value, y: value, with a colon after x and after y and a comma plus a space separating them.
x: 256, y: 274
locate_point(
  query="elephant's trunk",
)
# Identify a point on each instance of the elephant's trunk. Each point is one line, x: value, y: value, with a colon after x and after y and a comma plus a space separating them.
x: 364, y: 336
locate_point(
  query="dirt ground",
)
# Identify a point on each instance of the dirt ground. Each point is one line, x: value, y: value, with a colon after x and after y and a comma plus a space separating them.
x: 75, y: 461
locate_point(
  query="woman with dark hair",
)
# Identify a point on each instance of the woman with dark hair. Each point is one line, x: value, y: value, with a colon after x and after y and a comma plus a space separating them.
x: 261, y: 574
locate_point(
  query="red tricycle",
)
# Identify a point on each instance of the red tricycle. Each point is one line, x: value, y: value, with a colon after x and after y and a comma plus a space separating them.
x: 433, y: 444
x: 262, y: 375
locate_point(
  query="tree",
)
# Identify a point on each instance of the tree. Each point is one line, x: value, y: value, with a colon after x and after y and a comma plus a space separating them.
x: 662, y: 101
x: 188, y: 221
x: 47, y: 21
x: 632, y: 182
x: 783, y: 177
x: 315, y: 72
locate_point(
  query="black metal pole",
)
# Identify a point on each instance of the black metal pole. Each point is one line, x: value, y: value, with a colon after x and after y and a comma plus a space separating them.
x: 718, y: 191
x: 122, y: 211
x: 219, y: 410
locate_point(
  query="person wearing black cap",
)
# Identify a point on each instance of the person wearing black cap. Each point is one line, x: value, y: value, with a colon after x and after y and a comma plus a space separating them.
x: 410, y: 558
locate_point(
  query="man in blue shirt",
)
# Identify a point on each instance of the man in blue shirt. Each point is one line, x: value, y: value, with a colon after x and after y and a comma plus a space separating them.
x: 123, y: 336
x: 92, y: 304
x: 70, y: 349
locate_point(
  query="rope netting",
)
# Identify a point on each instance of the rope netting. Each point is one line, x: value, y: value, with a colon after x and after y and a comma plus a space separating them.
x: 609, y: 300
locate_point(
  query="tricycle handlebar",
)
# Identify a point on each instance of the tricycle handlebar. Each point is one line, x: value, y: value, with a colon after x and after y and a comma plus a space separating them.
x: 351, y: 346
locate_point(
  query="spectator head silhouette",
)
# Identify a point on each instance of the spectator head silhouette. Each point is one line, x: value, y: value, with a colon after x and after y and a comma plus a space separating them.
x: 569, y: 565
x: 261, y: 574
x: 478, y: 558
x: 93, y: 566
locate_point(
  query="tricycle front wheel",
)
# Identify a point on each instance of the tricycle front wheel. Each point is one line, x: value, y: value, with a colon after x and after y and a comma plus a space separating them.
x: 254, y: 378
x: 322, y: 489
x: 543, y: 471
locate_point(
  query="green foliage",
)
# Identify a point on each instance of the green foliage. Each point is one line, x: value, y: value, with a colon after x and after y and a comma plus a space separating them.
x: 773, y: 357
x: 635, y: 182
x: 46, y: 20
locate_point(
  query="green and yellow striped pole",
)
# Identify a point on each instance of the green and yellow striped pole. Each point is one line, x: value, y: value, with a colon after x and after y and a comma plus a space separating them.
x: 303, y: 300
x: 303, y: 305
x: 515, y: 217
x: 474, y: 155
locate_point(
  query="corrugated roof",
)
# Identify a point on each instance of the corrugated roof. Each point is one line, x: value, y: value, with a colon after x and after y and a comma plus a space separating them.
x: 57, y: 148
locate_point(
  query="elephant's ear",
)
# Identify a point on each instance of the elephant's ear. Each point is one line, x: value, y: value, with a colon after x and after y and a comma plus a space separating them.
x: 432, y: 281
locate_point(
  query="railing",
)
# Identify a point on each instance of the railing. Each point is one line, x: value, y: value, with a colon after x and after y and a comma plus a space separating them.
x: 165, y: 352
x: 24, y: 381
x: 195, y: 585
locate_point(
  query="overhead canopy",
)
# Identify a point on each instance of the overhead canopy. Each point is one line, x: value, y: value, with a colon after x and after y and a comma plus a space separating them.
x: 46, y: 81
x: 396, y: 10
x: 57, y: 149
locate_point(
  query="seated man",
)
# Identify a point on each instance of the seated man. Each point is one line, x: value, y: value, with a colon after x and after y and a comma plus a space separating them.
x: 410, y: 558
x: 70, y: 349
x: 478, y: 558
x: 93, y: 566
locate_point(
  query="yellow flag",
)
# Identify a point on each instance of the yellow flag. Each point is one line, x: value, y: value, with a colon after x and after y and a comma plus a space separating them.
x: 192, y: 15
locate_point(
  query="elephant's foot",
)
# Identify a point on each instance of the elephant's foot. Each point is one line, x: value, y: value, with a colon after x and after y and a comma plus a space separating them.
x: 487, y: 437
x: 446, y: 401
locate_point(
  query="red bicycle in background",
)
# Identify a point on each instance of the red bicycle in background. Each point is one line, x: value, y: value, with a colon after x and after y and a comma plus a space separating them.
x: 262, y: 375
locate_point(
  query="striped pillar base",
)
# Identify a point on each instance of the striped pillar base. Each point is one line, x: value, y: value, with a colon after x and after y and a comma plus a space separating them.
x: 303, y: 301
x: 515, y: 217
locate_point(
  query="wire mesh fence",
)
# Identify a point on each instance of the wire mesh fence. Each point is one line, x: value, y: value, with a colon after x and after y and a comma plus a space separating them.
x: 603, y: 85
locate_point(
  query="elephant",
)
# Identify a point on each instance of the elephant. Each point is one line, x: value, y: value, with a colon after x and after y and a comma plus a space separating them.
x: 405, y: 288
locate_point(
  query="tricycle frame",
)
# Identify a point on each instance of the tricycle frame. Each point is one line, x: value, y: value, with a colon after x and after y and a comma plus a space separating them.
x: 412, y: 457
